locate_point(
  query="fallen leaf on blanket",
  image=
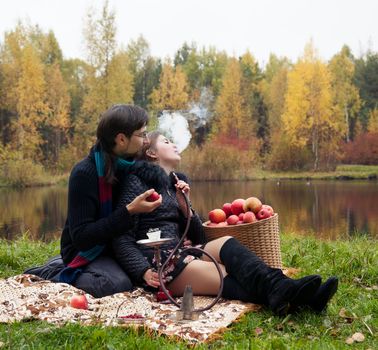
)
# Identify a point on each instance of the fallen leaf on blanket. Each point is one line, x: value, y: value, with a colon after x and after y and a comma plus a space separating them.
x: 258, y: 331
x: 358, y: 337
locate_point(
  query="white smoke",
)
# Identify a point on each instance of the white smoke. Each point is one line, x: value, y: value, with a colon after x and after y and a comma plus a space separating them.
x: 177, y: 125
x: 176, y: 128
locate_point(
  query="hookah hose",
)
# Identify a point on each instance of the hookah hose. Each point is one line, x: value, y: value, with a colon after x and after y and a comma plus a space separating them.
x: 162, y: 285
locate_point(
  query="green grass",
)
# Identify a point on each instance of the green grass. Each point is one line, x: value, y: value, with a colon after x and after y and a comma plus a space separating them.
x: 341, y: 172
x: 355, y: 261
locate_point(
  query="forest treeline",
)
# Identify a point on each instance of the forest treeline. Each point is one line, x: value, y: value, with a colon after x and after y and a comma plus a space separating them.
x: 308, y: 114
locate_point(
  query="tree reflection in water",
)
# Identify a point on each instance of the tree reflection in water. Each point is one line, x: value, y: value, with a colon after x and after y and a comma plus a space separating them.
x: 326, y: 209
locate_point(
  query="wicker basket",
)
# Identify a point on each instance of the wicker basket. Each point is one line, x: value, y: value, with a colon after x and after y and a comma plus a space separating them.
x: 262, y: 237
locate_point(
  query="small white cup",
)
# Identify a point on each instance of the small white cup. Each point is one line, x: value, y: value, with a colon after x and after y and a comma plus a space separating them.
x: 154, y: 235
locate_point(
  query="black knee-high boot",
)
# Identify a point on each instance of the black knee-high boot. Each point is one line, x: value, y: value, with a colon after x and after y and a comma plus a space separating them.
x: 266, y: 285
x: 233, y: 290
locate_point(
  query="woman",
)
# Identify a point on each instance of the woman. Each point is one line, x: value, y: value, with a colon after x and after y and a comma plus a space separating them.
x: 91, y: 221
x: 246, y: 276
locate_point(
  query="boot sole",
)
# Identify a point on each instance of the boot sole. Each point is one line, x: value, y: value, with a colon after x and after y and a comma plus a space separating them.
x: 302, y: 296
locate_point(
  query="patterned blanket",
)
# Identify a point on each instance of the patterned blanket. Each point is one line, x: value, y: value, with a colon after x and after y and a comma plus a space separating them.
x: 26, y: 297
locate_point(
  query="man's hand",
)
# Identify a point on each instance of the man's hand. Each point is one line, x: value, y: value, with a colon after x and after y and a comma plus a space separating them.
x: 141, y: 205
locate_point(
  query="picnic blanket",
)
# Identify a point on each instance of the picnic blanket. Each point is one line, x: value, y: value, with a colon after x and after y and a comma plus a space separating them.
x: 26, y: 297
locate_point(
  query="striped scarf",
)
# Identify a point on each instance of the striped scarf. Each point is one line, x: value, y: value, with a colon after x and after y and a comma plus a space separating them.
x: 71, y: 272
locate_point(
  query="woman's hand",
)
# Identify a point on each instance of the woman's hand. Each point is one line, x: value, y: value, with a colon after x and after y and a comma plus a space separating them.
x: 182, y: 187
x: 141, y: 205
x: 151, y: 278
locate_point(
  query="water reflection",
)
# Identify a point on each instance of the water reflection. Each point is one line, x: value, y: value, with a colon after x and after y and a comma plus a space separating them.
x: 327, y: 209
x: 41, y: 211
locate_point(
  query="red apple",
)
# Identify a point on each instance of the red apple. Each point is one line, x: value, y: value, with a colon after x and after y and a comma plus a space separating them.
x: 240, y: 222
x: 227, y: 209
x: 211, y: 224
x: 232, y: 219
x: 241, y: 216
x: 217, y: 215
x: 79, y: 302
x: 153, y: 197
x: 237, y: 206
x: 269, y: 208
x: 222, y: 224
x: 263, y: 214
x: 252, y: 204
x: 249, y: 217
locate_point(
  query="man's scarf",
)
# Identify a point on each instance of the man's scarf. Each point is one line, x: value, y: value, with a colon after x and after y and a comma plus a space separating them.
x: 71, y: 272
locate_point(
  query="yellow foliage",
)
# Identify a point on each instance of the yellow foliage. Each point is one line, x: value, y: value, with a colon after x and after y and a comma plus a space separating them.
x: 308, y: 119
x: 347, y: 102
x: 373, y: 121
x: 172, y: 91
x: 230, y: 107
x: 31, y: 106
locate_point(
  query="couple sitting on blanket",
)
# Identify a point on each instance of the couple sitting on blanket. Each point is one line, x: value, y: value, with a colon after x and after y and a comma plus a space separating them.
x: 108, y: 212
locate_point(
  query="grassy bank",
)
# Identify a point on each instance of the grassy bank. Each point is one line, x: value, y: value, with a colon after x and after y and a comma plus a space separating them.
x: 342, y: 172
x: 353, y: 309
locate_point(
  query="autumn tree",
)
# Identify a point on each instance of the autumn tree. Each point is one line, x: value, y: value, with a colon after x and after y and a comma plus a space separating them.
x: 346, y: 97
x: 231, y: 115
x: 274, y: 88
x: 32, y: 109
x: 108, y: 78
x: 254, y: 105
x: 366, y: 80
x: 58, y: 119
x: 145, y: 70
x: 10, y: 63
x: 308, y: 119
x: 172, y: 91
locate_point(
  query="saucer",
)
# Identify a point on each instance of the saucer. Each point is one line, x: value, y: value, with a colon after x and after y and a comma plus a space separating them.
x: 153, y: 243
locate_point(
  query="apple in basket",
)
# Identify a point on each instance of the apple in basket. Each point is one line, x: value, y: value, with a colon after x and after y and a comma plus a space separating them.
x: 252, y: 204
x: 217, y: 215
x: 153, y: 197
x: 237, y: 206
x: 249, y: 217
x: 227, y: 209
x: 263, y: 214
x: 232, y: 219
x: 269, y: 208
x: 79, y: 301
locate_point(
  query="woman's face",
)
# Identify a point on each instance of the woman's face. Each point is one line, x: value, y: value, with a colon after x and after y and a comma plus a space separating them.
x: 130, y: 146
x: 166, y: 152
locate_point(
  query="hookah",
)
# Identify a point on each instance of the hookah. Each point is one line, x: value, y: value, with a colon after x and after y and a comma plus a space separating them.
x: 186, y: 311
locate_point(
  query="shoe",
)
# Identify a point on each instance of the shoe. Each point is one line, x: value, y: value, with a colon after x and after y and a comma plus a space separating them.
x: 324, y: 294
x: 289, y: 293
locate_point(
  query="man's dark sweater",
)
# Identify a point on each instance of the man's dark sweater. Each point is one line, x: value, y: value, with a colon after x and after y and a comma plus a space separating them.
x: 84, y: 227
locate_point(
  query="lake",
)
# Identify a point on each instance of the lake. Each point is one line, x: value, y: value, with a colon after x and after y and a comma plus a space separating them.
x: 326, y: 209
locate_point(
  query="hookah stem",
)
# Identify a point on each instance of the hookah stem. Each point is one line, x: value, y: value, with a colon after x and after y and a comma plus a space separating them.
x: 161, y: 269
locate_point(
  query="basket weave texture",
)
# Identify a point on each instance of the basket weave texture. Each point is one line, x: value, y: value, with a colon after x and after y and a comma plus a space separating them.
x: 262, y: 237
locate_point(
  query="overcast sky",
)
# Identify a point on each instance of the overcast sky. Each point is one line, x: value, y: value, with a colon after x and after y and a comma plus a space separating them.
x: 282, y: 27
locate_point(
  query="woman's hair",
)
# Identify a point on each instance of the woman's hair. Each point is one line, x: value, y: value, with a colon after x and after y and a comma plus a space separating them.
x: 120, y: 118
x: 152, y: 139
